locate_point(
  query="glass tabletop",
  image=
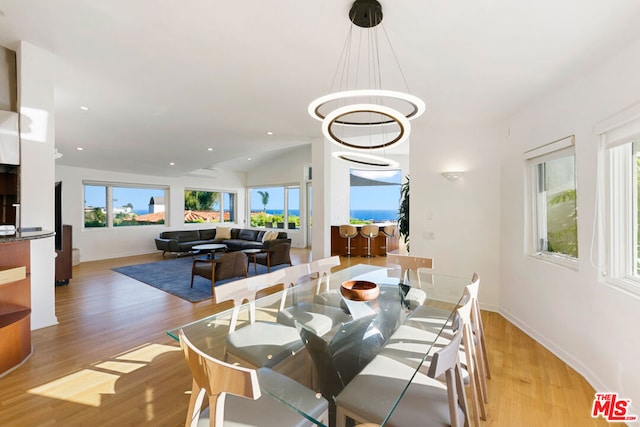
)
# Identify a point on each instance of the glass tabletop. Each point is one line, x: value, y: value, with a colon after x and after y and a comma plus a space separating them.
x: 338, y: 337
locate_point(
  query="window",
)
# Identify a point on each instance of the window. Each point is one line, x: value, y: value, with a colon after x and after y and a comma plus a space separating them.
x: 374, y: 195
x: 619, y: 214
x: 120, y: 205
x: 555, y: 214
x: 208, y: 206
x: 275, y: 207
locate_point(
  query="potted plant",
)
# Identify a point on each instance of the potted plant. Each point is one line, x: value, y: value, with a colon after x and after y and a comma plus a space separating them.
x: 403, y: 213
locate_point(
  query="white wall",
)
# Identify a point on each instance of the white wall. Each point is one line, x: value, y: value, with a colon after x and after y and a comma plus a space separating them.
x: 464, y: 215
x: 591, y: 326
x: 95, y: 244
x: 284, y: 170
x: 37, y: 138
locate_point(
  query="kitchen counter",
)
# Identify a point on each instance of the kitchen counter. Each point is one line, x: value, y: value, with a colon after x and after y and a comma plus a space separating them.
x: 25, y: 235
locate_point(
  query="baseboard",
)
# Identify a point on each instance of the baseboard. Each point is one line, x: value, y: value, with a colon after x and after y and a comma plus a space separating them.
x: 558, y: 351
x: 118, y: 255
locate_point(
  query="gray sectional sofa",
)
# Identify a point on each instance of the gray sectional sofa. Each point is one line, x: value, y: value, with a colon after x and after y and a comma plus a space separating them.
x: 182, y: 241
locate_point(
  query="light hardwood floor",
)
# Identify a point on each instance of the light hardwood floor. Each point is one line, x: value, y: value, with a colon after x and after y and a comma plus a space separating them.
x: 109, y: 361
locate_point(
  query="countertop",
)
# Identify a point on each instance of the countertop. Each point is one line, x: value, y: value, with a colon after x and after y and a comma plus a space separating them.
x: 25, y: 235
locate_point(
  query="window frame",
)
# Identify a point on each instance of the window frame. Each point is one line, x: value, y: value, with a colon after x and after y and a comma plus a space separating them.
x: 222, y: 203
x: 109, y: 205
x: 285, y: 188
x: 617, y: 201
x: 560, y: 148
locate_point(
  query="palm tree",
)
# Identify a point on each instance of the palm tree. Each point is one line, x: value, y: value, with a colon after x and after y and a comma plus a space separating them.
x: 265, y: 199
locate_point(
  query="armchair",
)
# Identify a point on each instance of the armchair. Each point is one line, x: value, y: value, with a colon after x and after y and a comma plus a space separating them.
x: 229, y: 265
x: 275, y: 255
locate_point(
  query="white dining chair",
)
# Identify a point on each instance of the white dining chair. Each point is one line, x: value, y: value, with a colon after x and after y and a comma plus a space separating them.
x: 427, y: 402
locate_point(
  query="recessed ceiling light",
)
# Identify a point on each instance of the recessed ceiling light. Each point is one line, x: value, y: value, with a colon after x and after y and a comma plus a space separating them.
x: 79, y: 148
x: 248, y: 158
x: 209, y: 149
x: 82, y: 107
x: 269, y: 133
x: 171, y: 164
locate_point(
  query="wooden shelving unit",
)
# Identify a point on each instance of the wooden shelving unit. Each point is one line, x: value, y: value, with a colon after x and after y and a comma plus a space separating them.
x: 15, y: 304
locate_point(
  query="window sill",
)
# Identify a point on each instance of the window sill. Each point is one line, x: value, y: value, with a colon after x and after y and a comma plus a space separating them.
x: 627, y: 285
x: 561, y: 260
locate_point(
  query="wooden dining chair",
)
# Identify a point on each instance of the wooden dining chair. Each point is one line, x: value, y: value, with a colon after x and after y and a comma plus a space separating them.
x: 426, y: 402
x: 234, y: 396
x: 409, y: 264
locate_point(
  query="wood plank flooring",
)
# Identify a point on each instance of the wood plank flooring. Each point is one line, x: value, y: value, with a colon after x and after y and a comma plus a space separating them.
x: 109, y: 361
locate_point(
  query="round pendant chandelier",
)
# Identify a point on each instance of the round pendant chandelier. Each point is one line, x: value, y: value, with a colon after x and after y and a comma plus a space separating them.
x: 369, y: 119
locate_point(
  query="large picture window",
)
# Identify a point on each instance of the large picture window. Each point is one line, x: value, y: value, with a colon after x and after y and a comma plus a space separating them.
x: 555, y: 217
x: 209, y: 206
x: 374, y: 195
x: 119, y: 205
x: 275, y: 207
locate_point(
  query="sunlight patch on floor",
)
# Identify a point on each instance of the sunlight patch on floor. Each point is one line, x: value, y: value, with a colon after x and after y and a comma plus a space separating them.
x: 88, y: 386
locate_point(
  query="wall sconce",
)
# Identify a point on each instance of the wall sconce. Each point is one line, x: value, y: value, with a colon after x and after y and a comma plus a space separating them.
x: 452, y: 175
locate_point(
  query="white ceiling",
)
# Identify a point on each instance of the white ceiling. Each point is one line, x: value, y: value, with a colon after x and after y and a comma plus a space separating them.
x: 166, y: 80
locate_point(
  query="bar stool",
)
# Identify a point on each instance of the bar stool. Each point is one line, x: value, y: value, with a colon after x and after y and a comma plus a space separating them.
x: 388, y: 231
x: 369, y: 232
x: 348, y: 231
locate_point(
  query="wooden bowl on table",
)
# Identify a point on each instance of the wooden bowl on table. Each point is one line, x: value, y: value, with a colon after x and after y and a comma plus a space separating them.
x: 359, y: 290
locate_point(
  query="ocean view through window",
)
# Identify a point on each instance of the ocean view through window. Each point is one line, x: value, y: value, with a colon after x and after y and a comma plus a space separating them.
x: 374, y: 195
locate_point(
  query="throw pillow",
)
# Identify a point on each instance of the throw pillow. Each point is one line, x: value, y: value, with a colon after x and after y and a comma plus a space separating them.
x: 269, y: 235
x: 223, y: 233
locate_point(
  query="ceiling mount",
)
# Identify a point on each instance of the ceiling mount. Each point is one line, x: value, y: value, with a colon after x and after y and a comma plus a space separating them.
x: 366, y: 13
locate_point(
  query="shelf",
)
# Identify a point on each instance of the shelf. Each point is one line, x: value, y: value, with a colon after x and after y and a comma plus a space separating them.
x: 15, y: 314
x: 12, y: 274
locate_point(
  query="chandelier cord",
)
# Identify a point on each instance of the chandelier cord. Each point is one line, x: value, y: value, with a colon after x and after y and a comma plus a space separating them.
x: 395, y: 57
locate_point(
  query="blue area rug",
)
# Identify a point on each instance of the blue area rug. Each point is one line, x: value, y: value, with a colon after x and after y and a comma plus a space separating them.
x: 173, y: 276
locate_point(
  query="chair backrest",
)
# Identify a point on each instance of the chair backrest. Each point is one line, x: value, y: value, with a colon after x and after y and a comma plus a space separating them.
x: 370, y: 230
x: 280, y: 254
x: 409, y: 263
x: 322, y: 268
x: 293, y: 274
x: 447, y: 361
x: 471, y: 360
x: 215, y: 378
x: 232, y: 264
x: 389, y: 230
x: 347, y: 230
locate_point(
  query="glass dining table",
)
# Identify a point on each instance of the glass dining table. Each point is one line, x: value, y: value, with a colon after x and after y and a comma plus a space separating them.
x: 339, y: 336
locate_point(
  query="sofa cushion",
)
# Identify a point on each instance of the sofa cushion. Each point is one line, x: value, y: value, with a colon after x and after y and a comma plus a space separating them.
x: 245, y: 234
x: 182, y: 236
x: 209, y: 234
x: 223, y: 233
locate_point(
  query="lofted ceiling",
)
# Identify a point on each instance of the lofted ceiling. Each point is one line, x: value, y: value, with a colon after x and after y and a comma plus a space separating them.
x: 165, y: 81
